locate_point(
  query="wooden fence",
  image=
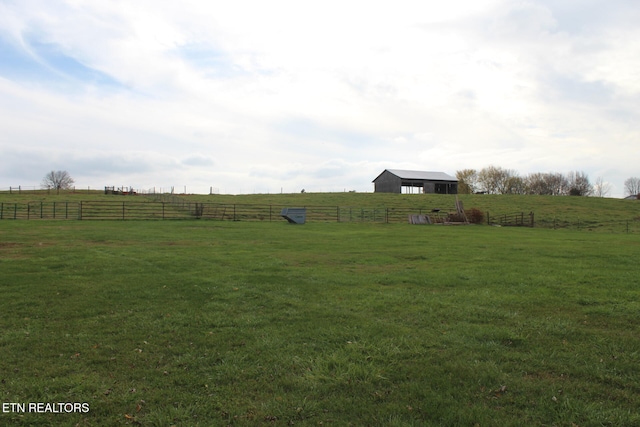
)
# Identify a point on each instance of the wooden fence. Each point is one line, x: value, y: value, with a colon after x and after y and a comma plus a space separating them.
x: 518, y: 219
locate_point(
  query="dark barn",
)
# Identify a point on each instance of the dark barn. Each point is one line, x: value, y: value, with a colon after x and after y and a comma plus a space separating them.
x: 403, y: 181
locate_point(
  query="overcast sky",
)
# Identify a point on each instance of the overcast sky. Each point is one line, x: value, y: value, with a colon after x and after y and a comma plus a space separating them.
x: 271, y: 96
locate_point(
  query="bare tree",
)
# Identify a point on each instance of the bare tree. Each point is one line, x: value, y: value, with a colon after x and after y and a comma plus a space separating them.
x: 557, y: 183
x: 488, y: 179
x: 467, y: 181
x: 57, y: 180
x: 497, y: 180
x: 632, y: 186
x: 537, y: 183
x: 579, y: 184
x: 601, y: 188
x: 515, y: 184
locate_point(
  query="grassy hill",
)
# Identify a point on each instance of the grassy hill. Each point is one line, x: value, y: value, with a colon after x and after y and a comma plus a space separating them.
x: 588, y: 213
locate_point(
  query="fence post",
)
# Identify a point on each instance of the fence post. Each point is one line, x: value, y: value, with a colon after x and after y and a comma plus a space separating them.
x: 41, y: 209
x: 15, y: 211
x: 162, y: 208
x: 80, y: 210
x: 28, y: 210
x: 123, y: 210
x: 2, y: 208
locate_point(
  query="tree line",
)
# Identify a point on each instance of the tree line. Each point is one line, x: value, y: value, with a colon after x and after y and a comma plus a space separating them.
x: 497, y: 180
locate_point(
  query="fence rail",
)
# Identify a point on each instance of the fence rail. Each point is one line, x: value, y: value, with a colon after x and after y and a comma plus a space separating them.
x: 518, y: 219
x: 179, y: 208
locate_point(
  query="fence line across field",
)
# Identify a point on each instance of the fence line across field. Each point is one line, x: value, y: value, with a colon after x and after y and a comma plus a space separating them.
x: 179, y: 208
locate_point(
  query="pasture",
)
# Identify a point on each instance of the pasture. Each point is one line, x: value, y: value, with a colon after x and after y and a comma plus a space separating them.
x: 575, y: 213
x: 201, y: 323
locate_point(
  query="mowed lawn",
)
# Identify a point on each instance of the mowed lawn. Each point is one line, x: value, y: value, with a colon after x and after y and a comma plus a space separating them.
x: 206, y: 323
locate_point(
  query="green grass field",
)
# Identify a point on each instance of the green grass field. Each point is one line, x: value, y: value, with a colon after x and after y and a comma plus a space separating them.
x: 207, y: 323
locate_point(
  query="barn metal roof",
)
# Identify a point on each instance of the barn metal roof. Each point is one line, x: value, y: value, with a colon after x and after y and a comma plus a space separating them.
x: 421, y: 175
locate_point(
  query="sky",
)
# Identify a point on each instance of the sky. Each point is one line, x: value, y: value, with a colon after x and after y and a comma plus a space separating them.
x: 248, y: 96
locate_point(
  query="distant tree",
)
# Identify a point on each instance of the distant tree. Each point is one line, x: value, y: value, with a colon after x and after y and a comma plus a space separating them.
x: 601, y: 188
x: 579, y: 184
x: 467, y: 181
x: 558, y: 184
x: 57, y: 180
x: 496, y: 180
x: 536, y: 183
x: 489, y: 179
x: 632, y: 186
x: 515, y: 185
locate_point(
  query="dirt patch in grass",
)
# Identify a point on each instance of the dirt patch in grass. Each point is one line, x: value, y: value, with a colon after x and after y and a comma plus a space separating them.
x: 4, y: 245
x: 7, y: 250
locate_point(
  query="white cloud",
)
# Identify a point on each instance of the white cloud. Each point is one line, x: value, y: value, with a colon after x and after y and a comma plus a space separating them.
x: 243, y: 96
